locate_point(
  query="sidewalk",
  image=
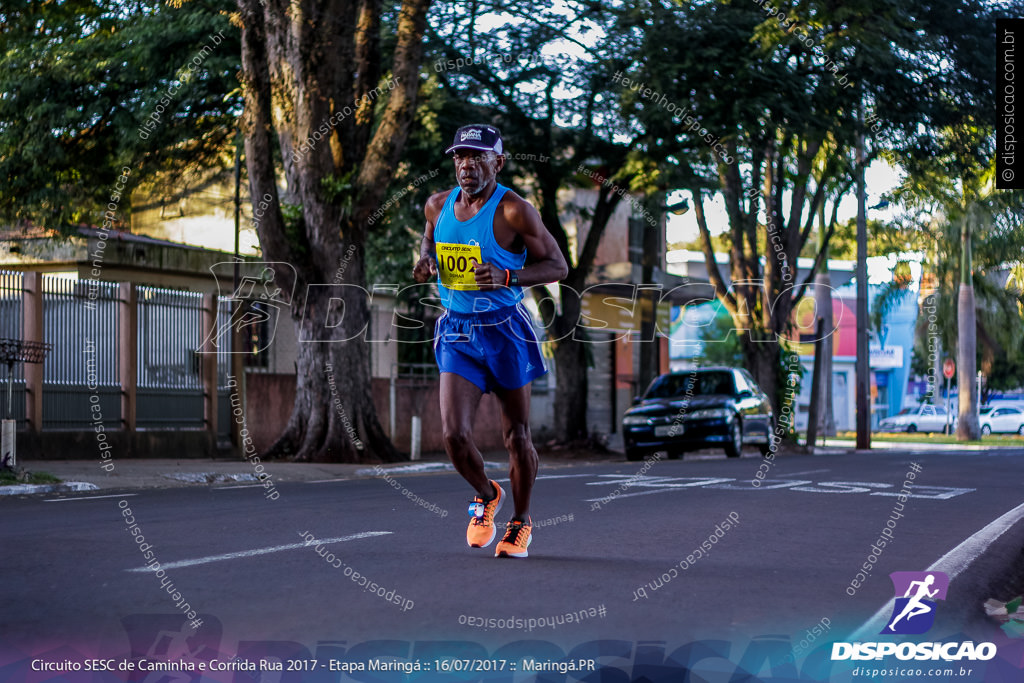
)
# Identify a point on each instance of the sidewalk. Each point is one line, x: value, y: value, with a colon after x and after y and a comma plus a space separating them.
x: 161, y: 473
x: 880, y: 445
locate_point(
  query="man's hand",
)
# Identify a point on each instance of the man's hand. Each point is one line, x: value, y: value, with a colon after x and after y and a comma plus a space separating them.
x: 488, y: 277
x: 425, y: 270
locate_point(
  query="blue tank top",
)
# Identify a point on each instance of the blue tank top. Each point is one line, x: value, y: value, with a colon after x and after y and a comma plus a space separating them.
x: 458, y: 243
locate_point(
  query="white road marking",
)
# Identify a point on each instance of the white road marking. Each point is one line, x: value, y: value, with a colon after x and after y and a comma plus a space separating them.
x: 661, y: 484
x: 768, y: 485
x: 418, y: 468
x: 952, y: 564
x: 113, y: 495
x: 565, y: 476
x: 628, y: 480
x: 558, y: 476
x: 606, y: 499
x: 259, y: 551
x: 645, y: 481
x: 243, y: 486
x: 843, y: 487
x: 539, y: 477
x: 797, y: 474
x: 929, y: 492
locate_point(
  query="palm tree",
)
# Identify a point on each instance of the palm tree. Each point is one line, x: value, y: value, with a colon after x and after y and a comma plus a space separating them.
x: 955, y: 197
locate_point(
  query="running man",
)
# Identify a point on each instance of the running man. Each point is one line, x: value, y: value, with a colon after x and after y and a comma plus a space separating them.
x: 914, y: 606
x: 477, y: 241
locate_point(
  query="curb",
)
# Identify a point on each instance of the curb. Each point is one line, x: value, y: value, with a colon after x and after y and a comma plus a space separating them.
x: 921, y: 446
x: 29, y: 489
x: 974, y: 566
x: 417, y: 468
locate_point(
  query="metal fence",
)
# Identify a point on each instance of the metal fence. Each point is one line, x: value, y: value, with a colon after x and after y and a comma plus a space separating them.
x: 11, y: 316
x: 80, y: 321
x: 169, y: 391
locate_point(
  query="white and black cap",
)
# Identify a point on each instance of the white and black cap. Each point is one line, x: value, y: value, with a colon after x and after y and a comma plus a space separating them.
x: 477, y: 136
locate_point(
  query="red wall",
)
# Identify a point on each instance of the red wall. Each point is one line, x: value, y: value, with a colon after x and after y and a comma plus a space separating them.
x: 268, y: 405
x: 426, y: 402
x: 270, y: 397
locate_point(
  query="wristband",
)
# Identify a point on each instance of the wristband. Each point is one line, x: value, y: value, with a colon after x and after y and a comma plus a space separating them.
x: 513, y: 279
x: 508, y: 274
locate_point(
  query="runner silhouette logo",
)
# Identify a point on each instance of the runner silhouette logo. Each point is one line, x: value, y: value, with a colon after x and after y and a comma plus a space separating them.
x: 917, y: 594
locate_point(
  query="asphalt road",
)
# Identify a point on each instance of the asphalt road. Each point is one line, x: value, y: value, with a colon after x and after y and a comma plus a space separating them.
x: 617, y: 545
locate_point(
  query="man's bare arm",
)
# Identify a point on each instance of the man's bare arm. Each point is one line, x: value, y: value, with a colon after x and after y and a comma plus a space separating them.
x: 426, y: 268
x: 547, y: 263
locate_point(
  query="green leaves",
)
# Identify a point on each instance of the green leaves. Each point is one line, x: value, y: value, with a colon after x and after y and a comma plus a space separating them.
x: 1009, y: 614
x: 81, y: 80
x: 295, y: 229
x: 943, y: 193
x: 1014, y: 604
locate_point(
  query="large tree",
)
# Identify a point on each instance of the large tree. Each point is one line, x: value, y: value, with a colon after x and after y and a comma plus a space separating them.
x: 91, y: 87
x: 955, y: 168
x: 973, y: 235
x: 330, y: 92
x: 778, y: 88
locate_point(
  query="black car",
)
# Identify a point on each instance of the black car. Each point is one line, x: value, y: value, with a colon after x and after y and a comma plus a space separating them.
x: 701, y: 408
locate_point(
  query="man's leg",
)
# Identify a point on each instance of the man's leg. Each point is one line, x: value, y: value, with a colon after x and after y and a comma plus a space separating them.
x: 459, y: 401
x: 515, y: 424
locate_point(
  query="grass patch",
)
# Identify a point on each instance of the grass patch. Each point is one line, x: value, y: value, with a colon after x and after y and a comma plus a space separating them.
x: 921, y: 437
x: 13, y: 477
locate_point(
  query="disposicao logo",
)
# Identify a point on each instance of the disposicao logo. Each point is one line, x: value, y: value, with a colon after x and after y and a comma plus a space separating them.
x: 916, y: 595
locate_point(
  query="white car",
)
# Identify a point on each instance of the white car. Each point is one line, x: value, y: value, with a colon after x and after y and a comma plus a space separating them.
x: 922, y: 418
x: 1002, y: 419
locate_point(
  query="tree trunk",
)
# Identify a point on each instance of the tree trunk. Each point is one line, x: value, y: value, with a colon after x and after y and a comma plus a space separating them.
x: 937, y: 382
x: 815, y: 408
x: 571, y: 392
x: 570, y: 370
x: 572, y: 358
x: 967, y: 428
x: 825, y: 417
x: 764, y: 359
x: 334, y: 418
x: 311, y: 80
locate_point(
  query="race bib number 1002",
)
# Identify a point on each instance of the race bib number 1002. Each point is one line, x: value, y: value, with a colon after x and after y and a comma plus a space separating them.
x: 456, y: 262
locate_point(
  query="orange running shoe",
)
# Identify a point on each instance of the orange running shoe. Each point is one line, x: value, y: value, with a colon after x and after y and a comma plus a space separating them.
x: 481, y: 529
x: 517, y: 539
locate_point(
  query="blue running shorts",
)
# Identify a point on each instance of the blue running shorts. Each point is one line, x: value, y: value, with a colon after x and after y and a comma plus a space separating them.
x: 494, y: 350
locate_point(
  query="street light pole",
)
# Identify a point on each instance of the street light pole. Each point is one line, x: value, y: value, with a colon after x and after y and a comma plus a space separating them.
x: 863, y: 370
x: 238, y: 206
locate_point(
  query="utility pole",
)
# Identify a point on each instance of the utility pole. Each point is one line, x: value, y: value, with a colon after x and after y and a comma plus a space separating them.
x: 238, y: 205
x: 650, y: 357
x: 234, y: 336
